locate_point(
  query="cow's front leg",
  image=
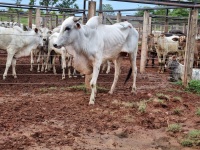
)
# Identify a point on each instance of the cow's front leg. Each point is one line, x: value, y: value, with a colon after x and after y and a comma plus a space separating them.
x: 159, y: 63
x: 38, y: 61
x: 95, y: 74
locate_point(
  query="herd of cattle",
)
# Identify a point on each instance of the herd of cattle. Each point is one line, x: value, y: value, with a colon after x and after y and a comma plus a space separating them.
x: 87, y: 47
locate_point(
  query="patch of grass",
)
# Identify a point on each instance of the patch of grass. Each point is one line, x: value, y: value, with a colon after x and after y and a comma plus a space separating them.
x: 177, y: 111
x: 177, y: 99
x: 52, y: 88
x: 46, y: 89
x: 198, y: 111
x: 187, y: 143
x: 142, y: 106
x: 178, y: 82
x: 192, y: 139
x: 129, y: 104
x: 194, y: 86
x: 82, y: 87
x: 162, y: 96
x: 194, y: 134
x: 174, y: 128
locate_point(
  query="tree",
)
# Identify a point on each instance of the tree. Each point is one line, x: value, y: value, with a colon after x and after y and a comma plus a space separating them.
x: 32, y: 2
x: 141, y: 12
x: 108, y: 7
x: 17, y: 1
x: 67, y: 4
x: 179, y: 12
x: 48, y: 2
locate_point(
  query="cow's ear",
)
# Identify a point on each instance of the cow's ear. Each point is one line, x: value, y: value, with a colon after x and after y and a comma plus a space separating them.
x: 49, y: 32
x: 175, y: 39
x: 78, y: 26
x: 36, y: 30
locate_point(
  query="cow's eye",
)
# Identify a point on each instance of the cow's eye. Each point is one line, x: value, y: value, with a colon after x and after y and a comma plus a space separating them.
x: 67, y: 28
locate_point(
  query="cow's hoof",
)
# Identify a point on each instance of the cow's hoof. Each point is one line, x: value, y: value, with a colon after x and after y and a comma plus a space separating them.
x: 70, y: 76
x: 38, y: 71
x: 91, y: 102
x: 31, y: 70
x: 110, y: 92
x: 63, y: 78
x: 15, y: 77
x: 4, y: 77
x: 75, y: 76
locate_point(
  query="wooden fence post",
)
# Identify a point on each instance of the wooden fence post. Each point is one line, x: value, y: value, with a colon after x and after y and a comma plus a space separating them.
x: 56, y: 20
x: 91, y: 13
x: 91, y: 9
x: 144, y: 42
x: 30, y: 15
x: 37, y: 18
x: 149, y: 26
x: 119, y: 16
x: 190, y: 45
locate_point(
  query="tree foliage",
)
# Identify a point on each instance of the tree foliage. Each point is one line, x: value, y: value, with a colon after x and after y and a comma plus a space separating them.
x: 67, y: 4
x: 108, y: 7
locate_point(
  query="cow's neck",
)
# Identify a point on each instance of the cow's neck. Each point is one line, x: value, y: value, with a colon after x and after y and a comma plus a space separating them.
x: 85, y: 37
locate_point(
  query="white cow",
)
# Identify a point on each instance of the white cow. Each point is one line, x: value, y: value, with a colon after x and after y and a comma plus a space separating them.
x: 60, y: 52
x: 41, y: 51
x: 91, y: 47
x: 164, y: 46
x: 18, y: 43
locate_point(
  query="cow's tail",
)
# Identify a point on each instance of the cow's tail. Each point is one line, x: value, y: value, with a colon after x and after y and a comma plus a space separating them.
x: 129, y: 75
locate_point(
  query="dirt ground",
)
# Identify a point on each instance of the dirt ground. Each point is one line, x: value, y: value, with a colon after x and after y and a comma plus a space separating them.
x: 40, y: 111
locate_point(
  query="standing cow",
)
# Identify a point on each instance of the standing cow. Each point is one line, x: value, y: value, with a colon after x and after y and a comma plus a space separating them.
x: 91, y: 47
x: 18, y: 43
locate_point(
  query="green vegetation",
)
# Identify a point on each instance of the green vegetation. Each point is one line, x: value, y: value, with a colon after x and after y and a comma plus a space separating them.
x: 194, y: 86
x: 177, y: 98
x: 142, y: 106
x: 177, y: 111
x: 162, y: 96
x: 174, y: 128
x: 198, y: 111
x: 82, y: 87
x: 191, y: 139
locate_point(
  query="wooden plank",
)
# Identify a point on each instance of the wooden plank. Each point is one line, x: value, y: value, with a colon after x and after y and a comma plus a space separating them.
x: 108, y: 18
x: 190, y: 45
x: 144, y: 42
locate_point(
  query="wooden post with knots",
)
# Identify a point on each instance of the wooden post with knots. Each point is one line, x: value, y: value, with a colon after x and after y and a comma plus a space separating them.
x: 145, y: 32
x: 91, y: 9
x: 30, y: 15
x: 37, y: 18
x: 190, y: 45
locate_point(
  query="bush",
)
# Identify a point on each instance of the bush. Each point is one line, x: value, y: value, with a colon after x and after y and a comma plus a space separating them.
x: 194, y: 86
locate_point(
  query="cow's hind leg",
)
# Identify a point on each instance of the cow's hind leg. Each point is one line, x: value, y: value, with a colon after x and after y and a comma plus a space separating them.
x: 8, y: 63
x: 32, y: 61
x: 133, y: 58
x: 117, y: 63
x: 14, y: 67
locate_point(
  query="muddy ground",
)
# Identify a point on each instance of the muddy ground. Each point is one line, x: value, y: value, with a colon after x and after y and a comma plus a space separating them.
x: 39, y: 111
